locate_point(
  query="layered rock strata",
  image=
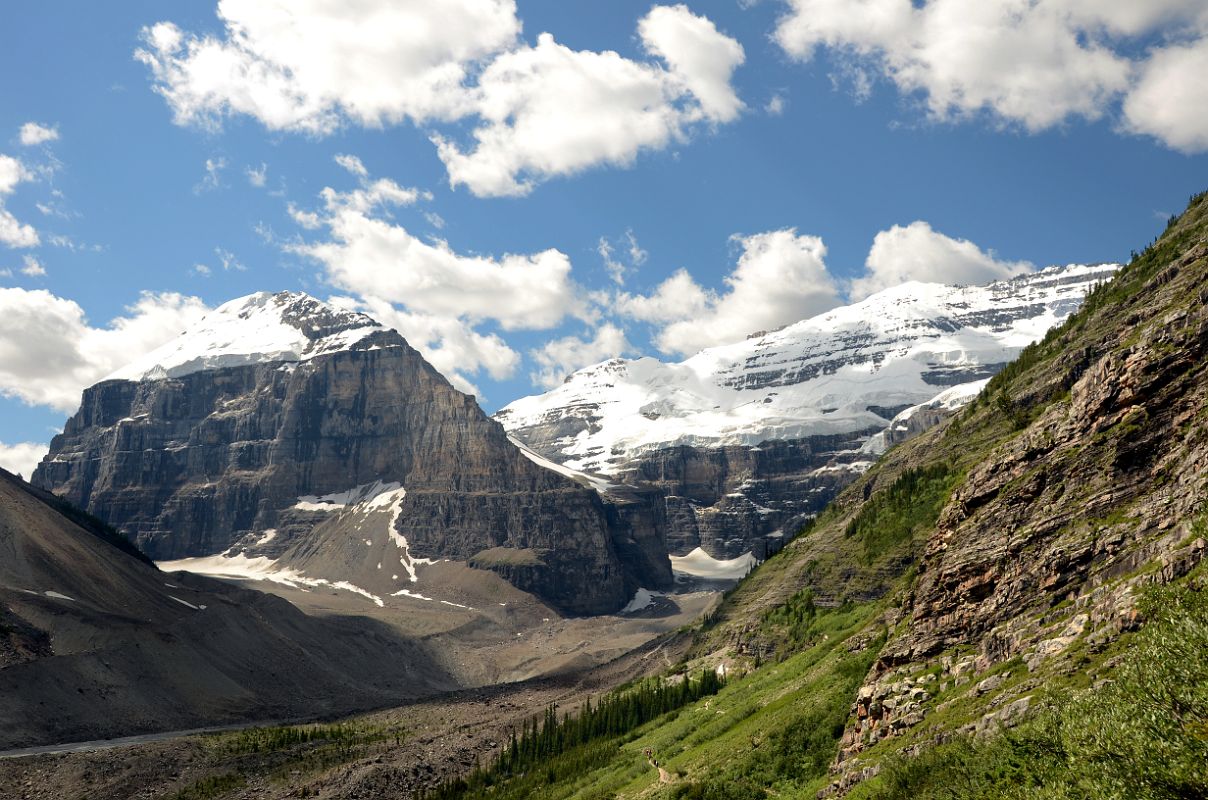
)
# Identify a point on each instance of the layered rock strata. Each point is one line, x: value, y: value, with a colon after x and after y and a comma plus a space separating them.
x: 192, y: 456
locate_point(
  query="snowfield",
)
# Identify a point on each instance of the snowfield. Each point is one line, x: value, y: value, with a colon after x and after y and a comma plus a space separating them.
x: 849, y: 369
x: 257, y: 329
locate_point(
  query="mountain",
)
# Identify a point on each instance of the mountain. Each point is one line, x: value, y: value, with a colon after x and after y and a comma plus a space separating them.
x: 1011, y: 604
x: 96, y: 642
x: 747, y: 440
x: 237, y: 438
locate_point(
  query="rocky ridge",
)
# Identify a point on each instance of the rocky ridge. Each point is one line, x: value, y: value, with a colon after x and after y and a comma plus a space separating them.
x: 1097, y: 492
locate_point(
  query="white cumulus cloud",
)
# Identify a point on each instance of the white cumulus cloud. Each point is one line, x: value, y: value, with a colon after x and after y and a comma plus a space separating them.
x: 1031, y: 63
x: 371, y: 255
x: 781, y: 277
x: 32, y: 268
x: 551, y: 111
x: 559, y: 357
x: 436, y: 297
x: 13, y: 232
x: 23, y: 457
x: 34, y: 134
x: 49, y: 352
x: 1170, y: 100
x: 309, y: 65
x: 916, y: 252
x: 535, y: 111
x: 678, y: 297
x: 701, y: 57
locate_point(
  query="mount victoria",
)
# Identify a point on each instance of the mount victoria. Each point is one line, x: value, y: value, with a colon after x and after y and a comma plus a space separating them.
x: 746, y: 441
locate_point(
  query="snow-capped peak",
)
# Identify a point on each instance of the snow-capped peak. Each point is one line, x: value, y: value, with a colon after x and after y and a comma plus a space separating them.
x: 848, y: 370
x: 259, y: 328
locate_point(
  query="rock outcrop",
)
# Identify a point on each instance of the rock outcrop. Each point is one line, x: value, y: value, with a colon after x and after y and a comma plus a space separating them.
x: 217, y: 437
x: 1086, y: 484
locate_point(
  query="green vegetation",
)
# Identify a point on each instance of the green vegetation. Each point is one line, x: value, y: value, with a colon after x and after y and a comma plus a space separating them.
x: 891, y: 519
x: 281, y: 753
x: 796, y: 616
x: 268, y: 740
x: 778, y: 726
x: 1018, y: 416
x: 1144, y: 735
x: 800, y: 622
x: 213, y: 786
x: 566, y: 746
x: 793, y: 758
x: 506, y: 556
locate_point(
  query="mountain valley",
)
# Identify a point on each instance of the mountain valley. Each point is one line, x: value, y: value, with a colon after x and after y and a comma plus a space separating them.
x: 980, y: 521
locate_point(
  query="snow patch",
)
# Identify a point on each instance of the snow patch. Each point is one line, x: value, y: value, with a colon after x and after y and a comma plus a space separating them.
x: 642, y: 599
x: 948, y: 400
x: 371, y: 496
x: 418, y: 596
x: 600, y: 484
x: 58, y: 596
x: 257, y: 329
x: 185, y: 603
x: 237, y: 566
x: 394, y: 502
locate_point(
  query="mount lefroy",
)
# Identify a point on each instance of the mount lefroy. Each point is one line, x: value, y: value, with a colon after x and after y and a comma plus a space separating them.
x: 237, y: 437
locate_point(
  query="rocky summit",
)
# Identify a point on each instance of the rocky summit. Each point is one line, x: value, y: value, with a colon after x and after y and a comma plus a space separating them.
x: 240, y: 432
x: 745, y: 441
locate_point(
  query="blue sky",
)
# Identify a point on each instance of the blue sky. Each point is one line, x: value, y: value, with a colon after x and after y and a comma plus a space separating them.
x: 770, y: 145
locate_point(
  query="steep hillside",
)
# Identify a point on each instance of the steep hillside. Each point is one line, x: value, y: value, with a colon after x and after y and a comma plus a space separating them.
x: 1034, y: 563
x: 96, y: 642
x: 746, y: 440
x: 239, y: 436
x: 1073, y: 481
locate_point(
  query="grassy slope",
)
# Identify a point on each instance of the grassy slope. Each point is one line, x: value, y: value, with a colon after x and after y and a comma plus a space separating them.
x: 804, y: 628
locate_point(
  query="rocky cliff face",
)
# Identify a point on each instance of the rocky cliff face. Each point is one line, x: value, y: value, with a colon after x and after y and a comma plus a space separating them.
x: 218, y: 438
x: 738, y: 499
x: 1090, y: 486
x: 746, y: 440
